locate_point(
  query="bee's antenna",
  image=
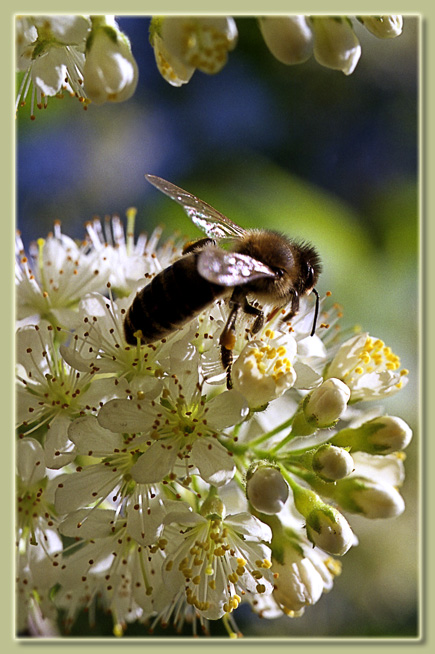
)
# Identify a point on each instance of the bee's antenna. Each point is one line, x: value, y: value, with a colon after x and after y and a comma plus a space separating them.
x: 316, y: 312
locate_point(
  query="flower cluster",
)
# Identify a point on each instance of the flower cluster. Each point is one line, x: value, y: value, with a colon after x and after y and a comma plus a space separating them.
x: 86, y: 56
x: 89, y: 57
x: 146, y: 487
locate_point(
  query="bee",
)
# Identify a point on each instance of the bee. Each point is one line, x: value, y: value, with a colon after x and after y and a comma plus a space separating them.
x: 231, y: 263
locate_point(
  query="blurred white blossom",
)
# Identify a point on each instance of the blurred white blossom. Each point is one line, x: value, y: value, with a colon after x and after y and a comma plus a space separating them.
x: 92, y: 59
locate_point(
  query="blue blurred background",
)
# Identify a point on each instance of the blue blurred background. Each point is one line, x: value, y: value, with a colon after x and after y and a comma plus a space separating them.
x: 306, y: 150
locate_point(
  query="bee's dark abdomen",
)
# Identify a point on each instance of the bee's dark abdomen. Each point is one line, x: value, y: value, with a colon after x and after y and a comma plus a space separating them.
x: 169, y: 301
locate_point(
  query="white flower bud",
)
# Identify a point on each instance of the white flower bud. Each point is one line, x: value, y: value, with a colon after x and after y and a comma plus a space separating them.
x: 298, y: 584
x: 329, y: 530
x: 289, y: 38
x: 110, y: 73
x: 384, y: 27
x: 263, y: 372
x: 370, y: 498
x: 390, y: 434
x: 326, y: 403
x: 331, y: 463
x: 266, y: 489
x: 335, y: 43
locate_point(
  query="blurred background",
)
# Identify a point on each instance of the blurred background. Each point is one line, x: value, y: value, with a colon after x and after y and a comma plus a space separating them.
x: 302, y: 149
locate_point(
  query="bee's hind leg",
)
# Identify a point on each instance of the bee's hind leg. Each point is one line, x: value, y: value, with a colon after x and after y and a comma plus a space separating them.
x: 228, y: 337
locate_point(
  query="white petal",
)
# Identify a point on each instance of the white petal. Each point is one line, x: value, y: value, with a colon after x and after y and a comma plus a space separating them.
x: 82, y: 488
x: 57, y: 446
x: 250, y: 526
x: 30, y: 461
x: 154, y: 464
x: 226, y: 409
x: 88, y: 523
x: 129, y: 416
x: 388, y: 469
x: 213, y: 460
x: 92, y: 439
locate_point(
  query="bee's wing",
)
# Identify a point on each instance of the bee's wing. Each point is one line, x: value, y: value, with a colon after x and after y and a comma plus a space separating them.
x: 204, y: 216
x: 230, y: 268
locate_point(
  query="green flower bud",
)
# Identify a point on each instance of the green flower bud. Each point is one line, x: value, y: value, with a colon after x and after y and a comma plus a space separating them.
x: 382, y: 435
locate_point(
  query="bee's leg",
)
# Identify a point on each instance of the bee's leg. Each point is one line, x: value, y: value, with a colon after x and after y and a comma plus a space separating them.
x: 294, y: 307
x: 228, y: 337
x: 254, y: 311
x: 199, y: 244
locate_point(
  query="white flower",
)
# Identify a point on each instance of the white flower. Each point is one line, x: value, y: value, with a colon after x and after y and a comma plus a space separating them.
x: 183, y: 44
x: 182, y: 429
x: 55, y: 276
x: 112, y: 564
x: 172, y: 69
x: 50, y: 394
x: 50, y: 49
x: 132, y: 263
x: 263, y: 371
x: 303, y: 574
x: 109, y: 477
x: 368, y: 367
x: 289, y: 38
x: 110, y: 72
x: 98, y: 346
x: 335, y: 43
x: 218, y: 560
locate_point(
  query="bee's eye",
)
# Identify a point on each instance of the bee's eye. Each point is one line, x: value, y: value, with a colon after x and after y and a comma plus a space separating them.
x: 310, y: 276
x: 279, y: 272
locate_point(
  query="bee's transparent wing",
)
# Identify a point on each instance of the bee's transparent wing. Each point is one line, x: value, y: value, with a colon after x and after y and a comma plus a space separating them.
x: 209, y: 220
x: 230, y: 268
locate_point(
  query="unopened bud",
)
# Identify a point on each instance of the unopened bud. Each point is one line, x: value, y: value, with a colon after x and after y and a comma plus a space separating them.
x: 289, y: 38
x: 384, y: 27
x: 266, y: 489
x: 329, y: 530
x: 331, y: 463
x: 326, y: 403
x: 335, y: 43
x: 369, y: 498
x: 382, y: 435
x: 326, y: 527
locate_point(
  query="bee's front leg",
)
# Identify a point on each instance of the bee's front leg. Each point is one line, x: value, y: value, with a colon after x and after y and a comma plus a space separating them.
x: 294, y: 307
x: 254, y: 311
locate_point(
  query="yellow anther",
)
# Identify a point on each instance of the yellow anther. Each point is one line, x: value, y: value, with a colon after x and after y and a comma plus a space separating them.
x: 359, y: 370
